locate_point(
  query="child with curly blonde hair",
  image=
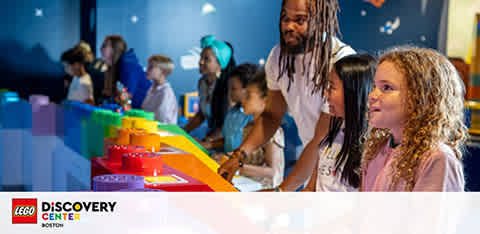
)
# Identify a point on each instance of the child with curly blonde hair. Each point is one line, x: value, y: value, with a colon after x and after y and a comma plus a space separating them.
x: 416, y: 111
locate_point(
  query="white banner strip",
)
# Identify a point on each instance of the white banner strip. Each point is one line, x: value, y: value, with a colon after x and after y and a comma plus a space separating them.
x: 157, y: 212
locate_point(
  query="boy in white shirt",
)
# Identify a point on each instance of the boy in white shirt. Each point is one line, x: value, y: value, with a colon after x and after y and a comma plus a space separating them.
x: 160, y: 97
x: 81, y: 88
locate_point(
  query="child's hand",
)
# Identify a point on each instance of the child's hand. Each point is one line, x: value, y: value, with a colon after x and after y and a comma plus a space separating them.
x: 216, y: 157
x: 90, y: 101
x: 220, y: 158
x: 206, y: 144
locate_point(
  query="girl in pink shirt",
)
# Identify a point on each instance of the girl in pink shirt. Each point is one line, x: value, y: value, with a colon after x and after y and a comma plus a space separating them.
x: 416, y: 111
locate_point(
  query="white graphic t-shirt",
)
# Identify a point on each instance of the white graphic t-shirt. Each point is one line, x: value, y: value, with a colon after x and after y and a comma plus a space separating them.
x: 329, y: 179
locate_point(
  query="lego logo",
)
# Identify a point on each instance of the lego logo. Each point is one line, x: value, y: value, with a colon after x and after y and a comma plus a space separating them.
x: 24, y: 211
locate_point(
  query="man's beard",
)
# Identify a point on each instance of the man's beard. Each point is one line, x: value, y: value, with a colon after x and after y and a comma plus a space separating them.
x: 299, y: 48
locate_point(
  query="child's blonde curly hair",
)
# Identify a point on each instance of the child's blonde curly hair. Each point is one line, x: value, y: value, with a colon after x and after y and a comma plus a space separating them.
x: 434, y: 106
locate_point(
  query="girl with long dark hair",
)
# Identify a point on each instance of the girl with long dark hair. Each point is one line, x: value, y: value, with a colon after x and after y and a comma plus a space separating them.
x: 340, y: 153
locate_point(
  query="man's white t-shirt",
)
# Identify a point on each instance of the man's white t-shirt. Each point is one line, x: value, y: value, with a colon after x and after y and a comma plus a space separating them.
x: 304, y: 107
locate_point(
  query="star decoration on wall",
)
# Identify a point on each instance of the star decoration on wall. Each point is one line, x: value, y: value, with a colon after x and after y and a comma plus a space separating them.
x: 38, y: 12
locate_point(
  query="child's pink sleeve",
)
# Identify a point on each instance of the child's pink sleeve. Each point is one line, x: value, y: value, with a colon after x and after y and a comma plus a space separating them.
x: 441, y: 172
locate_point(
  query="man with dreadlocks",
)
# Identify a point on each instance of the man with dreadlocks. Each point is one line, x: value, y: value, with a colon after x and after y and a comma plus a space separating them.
x: 297, y: 72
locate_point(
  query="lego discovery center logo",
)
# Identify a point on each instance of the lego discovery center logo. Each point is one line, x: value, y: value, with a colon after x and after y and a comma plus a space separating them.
x: 54, y: 214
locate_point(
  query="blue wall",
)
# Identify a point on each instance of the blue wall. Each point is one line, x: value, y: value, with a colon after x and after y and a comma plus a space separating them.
x: 31, y: 45
x: 421, y: 26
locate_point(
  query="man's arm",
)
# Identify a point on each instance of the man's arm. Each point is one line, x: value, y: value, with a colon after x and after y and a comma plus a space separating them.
x: 307, y: 161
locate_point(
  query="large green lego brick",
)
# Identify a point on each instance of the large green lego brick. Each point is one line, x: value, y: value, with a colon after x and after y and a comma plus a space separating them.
x: 95, y: 134
x: 140, y: 113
